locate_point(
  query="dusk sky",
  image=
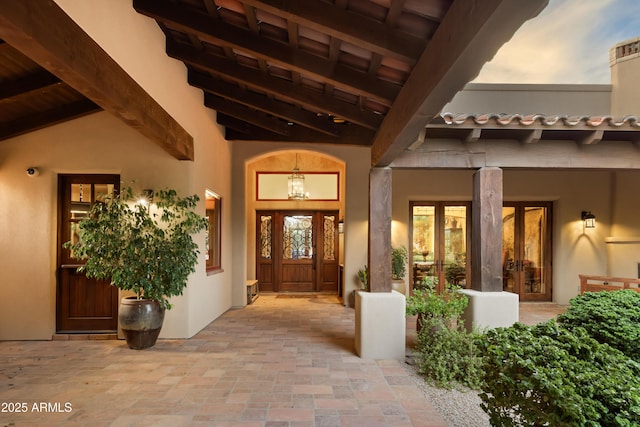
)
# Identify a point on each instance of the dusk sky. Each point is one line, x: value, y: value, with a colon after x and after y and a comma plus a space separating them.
x: 568, y: 42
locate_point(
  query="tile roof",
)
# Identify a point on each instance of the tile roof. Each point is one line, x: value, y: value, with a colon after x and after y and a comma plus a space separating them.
x: 537, y: 120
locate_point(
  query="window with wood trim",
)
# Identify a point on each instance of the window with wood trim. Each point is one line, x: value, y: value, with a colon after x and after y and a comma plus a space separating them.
x: 213, y: 241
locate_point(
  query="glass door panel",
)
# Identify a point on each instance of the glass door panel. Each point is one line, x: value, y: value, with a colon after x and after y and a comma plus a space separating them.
x: 455, y: 245
x: 526, y: 250
x: 533, y: 265
x: 423, y: 245
x: 297, y: 237
x: 509, y: 278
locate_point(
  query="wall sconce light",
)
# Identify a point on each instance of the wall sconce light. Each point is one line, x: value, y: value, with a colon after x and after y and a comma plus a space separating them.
x: 146, y: 198
x: 589, y: 219
x: 341, y: 226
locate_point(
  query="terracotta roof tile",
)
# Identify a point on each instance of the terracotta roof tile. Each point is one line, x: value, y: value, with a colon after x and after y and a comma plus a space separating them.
x: 537, y: 120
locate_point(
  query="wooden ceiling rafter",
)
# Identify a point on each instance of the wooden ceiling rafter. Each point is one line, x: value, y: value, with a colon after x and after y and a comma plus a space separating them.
x: 337, y: 22
x: 282, y: 89
x: 11, y: 90
x: 263, y: 103
x: 41, y: 30
x: 43, y: 119
x: 350, y: 135
x: 218, y: 32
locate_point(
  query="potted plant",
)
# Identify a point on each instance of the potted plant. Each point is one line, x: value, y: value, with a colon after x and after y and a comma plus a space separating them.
x: 362, y: 275
x: 144, y: 248
x: 399, y: 259
x: 436, y: 309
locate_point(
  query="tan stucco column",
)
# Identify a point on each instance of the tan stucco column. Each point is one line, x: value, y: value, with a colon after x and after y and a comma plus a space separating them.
x: 379, y: 260
x: 486, y: 231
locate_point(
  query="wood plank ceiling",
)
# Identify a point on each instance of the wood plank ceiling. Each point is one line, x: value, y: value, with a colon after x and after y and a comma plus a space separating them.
x: 32, y: 98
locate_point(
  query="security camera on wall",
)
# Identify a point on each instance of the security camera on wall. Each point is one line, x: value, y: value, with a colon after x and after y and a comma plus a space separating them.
x: 31, y: 172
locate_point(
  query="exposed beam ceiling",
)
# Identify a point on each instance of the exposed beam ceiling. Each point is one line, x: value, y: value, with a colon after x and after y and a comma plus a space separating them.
x: 350, y: 72
x: 358, y: 72
x: 41, y: 31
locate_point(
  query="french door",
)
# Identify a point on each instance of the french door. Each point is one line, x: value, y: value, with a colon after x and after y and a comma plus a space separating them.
x: 439, y: 236
x: 82, y: 304
x: 526, y: 250
x: 297, y: 251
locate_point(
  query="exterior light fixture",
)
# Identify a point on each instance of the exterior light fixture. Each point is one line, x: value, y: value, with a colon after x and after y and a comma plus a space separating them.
x: 589, y: 219
x: 146, y: 198
x: 296, y: 184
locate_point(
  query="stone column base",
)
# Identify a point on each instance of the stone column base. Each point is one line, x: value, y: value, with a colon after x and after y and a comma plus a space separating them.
x: 490, y: 309
x: 380, y: 325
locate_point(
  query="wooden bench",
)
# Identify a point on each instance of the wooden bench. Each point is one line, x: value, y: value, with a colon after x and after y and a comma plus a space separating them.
x: 252, y: 291
x: 605, y: 283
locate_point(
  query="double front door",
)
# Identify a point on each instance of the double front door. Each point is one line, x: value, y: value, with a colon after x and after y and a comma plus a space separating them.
x: 82, y: 304
x: 297, y: 251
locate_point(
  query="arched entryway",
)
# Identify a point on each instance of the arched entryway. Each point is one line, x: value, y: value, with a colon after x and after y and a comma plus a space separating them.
x: 293, y: 244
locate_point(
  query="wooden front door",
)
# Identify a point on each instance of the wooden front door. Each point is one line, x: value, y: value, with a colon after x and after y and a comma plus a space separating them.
x: 526, y: 250
x: 82, y: 304
x: 297, y: 251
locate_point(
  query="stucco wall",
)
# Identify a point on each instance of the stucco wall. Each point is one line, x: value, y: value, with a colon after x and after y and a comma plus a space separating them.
x: 563, y: 100
x: 624, y: 77
x: 624, y: 241
x: 101, y: 143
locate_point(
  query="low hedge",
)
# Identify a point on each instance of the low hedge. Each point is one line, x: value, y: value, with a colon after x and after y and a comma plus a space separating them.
x: 548, y: 375
x: 609, y: 317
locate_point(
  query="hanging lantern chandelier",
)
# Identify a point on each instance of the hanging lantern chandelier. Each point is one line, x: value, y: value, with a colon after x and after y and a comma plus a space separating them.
x: 296, y: 184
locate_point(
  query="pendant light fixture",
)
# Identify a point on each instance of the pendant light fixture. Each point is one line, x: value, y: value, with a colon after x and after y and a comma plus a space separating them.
x: 296, y: 184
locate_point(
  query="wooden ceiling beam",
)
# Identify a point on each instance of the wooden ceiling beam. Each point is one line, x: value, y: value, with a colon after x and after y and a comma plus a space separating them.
x: 41, y: 120
x: 12, y: 89
x: 249, y: 115
x: 220, y: 33
x: 238, y: 130
x: 326, y: 18
x: 262, y: 103
x: 279, y: 88
x: 468, y: 36
x: 42, y: 31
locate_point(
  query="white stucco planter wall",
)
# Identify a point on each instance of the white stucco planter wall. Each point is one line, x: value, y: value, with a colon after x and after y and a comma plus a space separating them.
x: 380, y: 325
x: 490, y: 309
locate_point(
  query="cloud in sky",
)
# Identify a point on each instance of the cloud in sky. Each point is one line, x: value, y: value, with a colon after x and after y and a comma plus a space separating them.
x: 568, y: 42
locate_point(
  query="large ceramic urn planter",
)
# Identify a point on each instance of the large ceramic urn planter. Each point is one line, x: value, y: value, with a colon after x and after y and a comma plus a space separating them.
x: 140, y: 321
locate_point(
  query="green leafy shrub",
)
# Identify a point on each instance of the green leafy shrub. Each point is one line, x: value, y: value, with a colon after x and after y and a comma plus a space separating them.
x: 548, y: 375
x: 609, y: 317
x: 145, y: 249
x: 445, y: 352
x: 448, y: 356
x: 447, y: 305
